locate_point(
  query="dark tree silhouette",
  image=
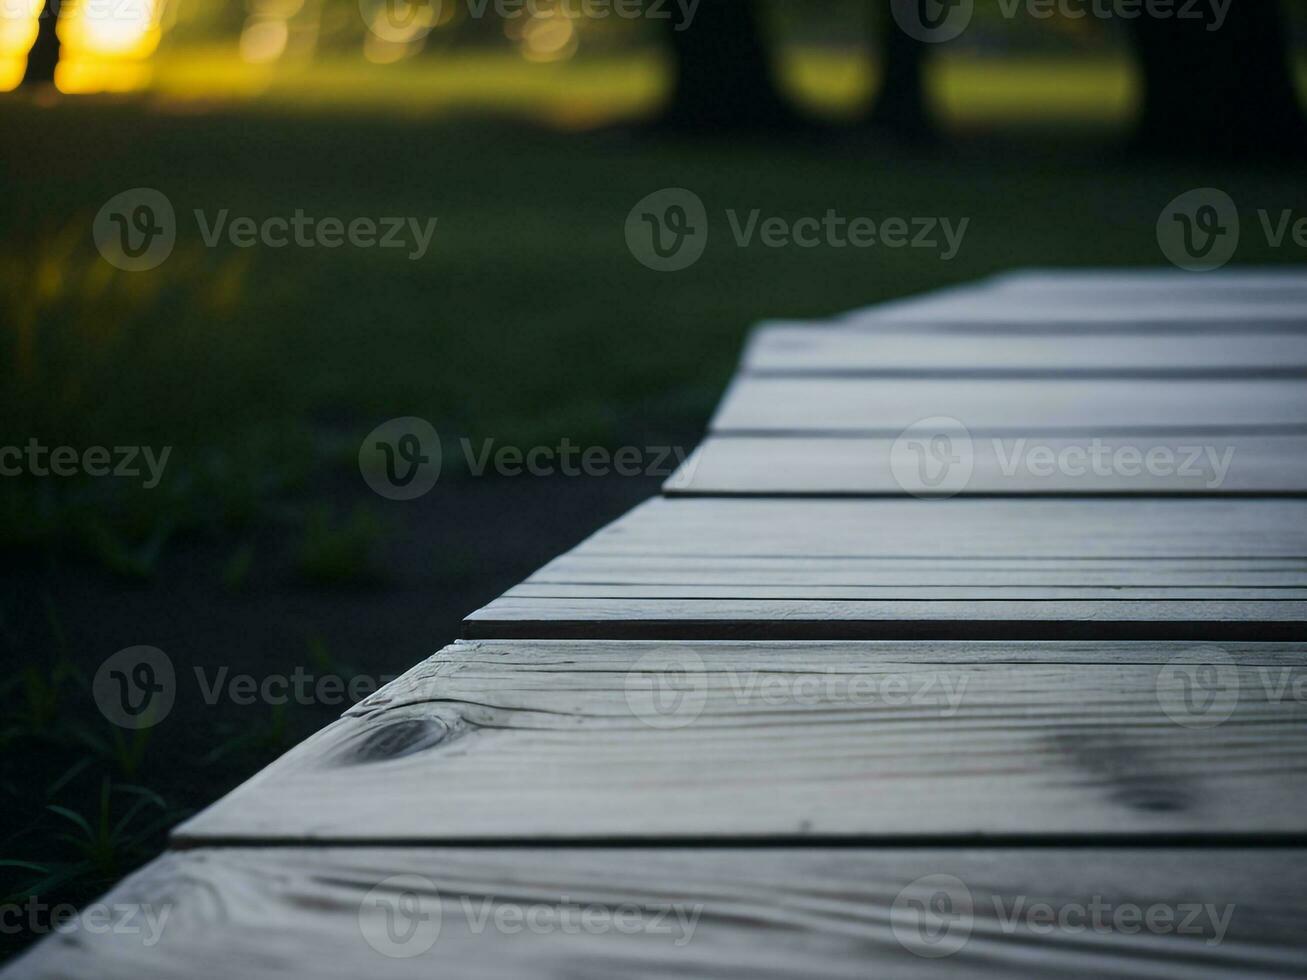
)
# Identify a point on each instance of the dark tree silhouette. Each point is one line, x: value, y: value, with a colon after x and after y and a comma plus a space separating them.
x: 724, y: 80
x: 900, y: 106
x: 1225, y: 92
x: 43, y: 57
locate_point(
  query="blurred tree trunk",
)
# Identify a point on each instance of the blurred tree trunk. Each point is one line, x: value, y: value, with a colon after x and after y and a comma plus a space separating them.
x: 900, y: 107
x: 724, y: 80
x: 1225, y: 92
x: 44, y: 55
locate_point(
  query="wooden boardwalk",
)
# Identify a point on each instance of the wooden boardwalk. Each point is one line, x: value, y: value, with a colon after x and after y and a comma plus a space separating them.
x: 969, y: 643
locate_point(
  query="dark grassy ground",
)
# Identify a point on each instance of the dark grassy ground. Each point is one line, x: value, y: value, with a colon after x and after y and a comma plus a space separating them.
x: 262, y: 550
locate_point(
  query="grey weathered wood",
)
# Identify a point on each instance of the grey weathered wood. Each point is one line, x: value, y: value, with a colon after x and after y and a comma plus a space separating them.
x: 851, y: 619
x: 994, y: 303
x: 877, y: 741
x: 1128, y: 598
x: 812, y: 349
x: 889, y: 593
x: 1252, y: 284
x: 700, y: 912
x: 1018, y: 406
x: 1104, y: 300
x: 1081, y: 764
x: 1040, y: 323
x: 582, y: 568
x: 862, y: 465
x: 1252, y: 529
x: 1128, y: 317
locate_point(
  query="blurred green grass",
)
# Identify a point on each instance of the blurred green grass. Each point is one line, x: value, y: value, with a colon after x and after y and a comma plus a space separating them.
x: 527, y: 321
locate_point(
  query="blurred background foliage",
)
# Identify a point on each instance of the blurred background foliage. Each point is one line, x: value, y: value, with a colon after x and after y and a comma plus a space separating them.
x: 553, y: 58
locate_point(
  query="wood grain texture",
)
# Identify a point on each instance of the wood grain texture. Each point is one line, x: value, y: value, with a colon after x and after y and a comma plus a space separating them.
x: 1115, y: 727
x: 711, y: 913
x: 809, y: 349
x: 1017, y: 406
x: 799, y: 465
x: 1252, y: 530
x: 1253, y: 284
x: 580, y: 567
x: 1093, y: 309
x: 894, y: 592
x: 875, y: 741
x: 650, y: 588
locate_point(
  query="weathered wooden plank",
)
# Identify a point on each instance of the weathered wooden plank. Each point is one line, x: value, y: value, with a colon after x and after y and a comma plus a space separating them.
x: 891, y: 593
x: 1020, y: 406
x: 987, y: 303
x: 846, y: 913
x: 1013, y: 599
x: 1255, y: 529
x: 1029, y: 464
x: 850, y: 619
x: 582, y: 568
x: 1042, y: 323
x: 876, y: 741
x: 1254, y: 284
x: 1104, y: 301
x: 812, y: 349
